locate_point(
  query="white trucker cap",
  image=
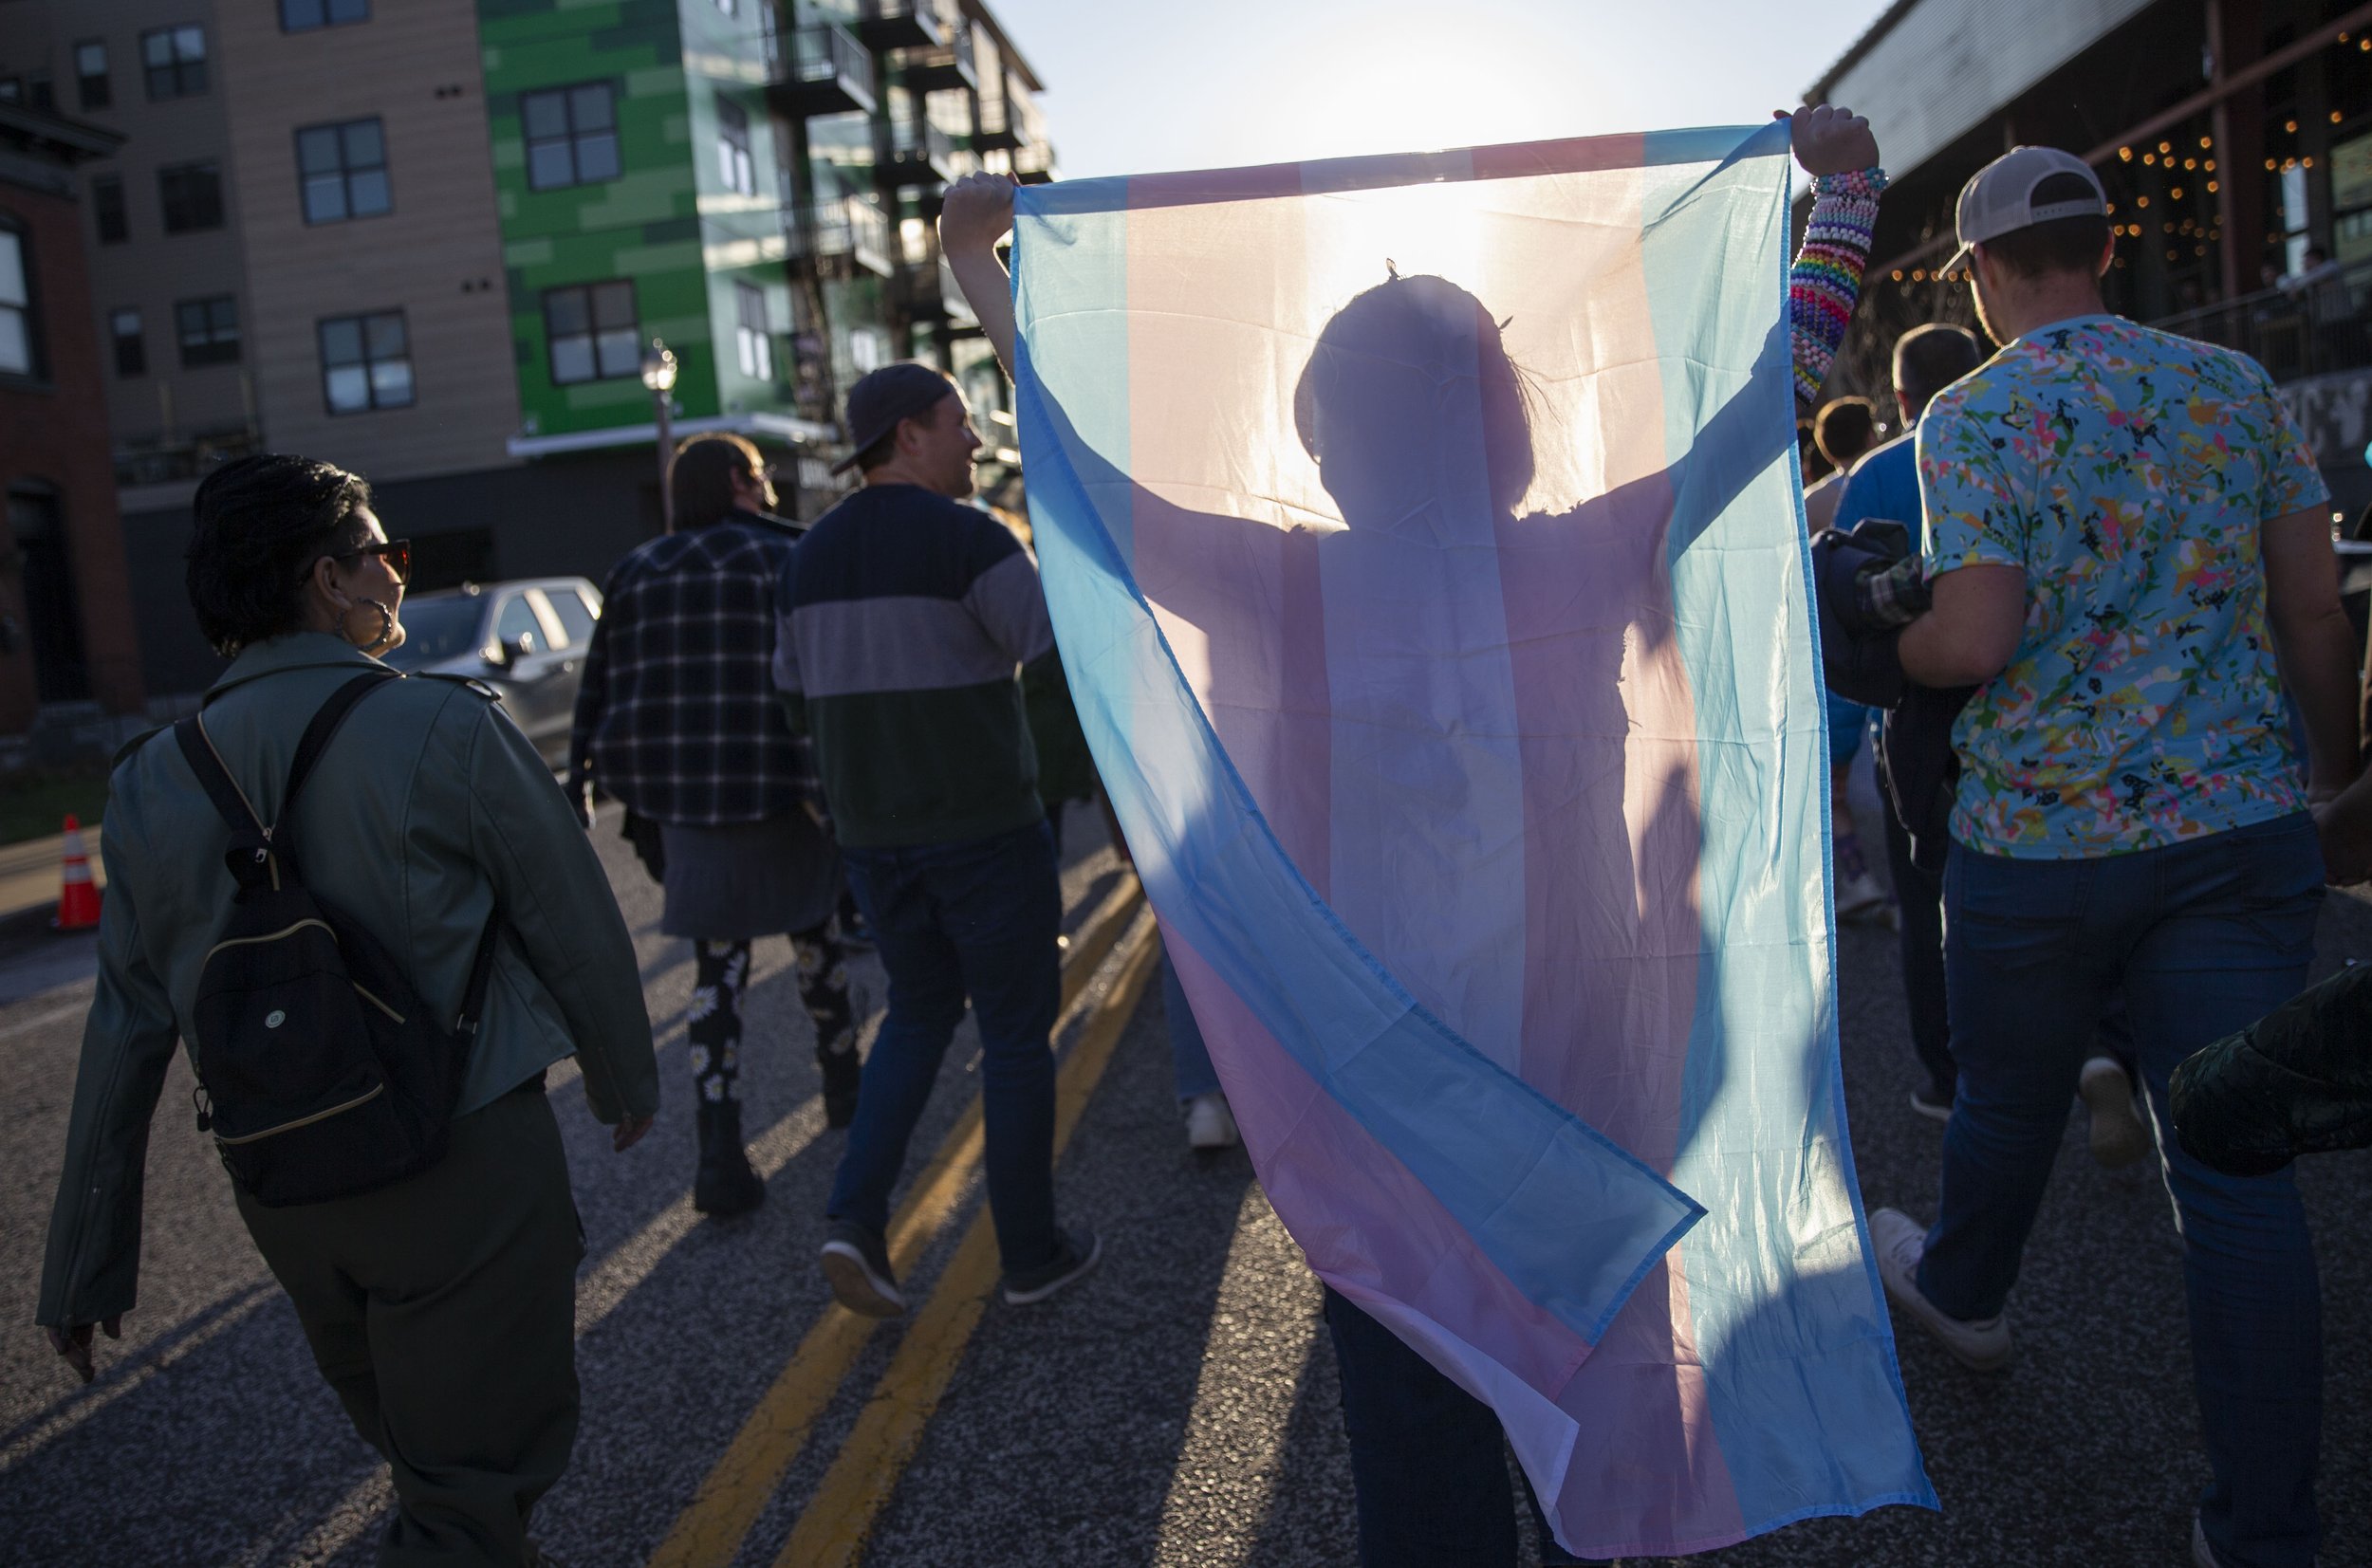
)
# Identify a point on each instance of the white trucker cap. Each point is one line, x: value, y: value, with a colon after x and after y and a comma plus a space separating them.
x: 1999, y: 198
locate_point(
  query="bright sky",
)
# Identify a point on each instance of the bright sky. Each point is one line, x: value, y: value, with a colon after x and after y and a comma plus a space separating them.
x: 1135, y: 86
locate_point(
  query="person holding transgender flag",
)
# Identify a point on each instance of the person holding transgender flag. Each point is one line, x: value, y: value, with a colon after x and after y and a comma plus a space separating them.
x: 1486, y: 839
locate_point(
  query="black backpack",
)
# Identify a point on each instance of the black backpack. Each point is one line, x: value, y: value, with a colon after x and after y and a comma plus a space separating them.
x: 322, y: 1073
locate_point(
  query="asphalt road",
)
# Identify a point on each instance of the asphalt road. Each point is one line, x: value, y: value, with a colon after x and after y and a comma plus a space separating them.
x: 1178, y: 1409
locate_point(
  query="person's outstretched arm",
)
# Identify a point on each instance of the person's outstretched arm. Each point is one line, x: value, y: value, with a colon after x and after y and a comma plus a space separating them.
x: 977, y: 212
x: 1837, y: 148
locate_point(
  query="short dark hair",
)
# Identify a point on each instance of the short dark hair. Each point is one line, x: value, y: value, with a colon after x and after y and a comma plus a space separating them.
x: 879, y: 452
x: 702, y: 477
x: 1929, y: 359
x: 1844, y: 429
x: 258, y: 524
x: 2063, y: 245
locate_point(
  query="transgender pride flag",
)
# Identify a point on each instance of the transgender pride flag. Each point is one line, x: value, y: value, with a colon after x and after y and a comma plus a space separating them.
x: 1423, y: 542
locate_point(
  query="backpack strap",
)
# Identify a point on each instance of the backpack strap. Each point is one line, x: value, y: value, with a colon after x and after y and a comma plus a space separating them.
x: 259, y: 850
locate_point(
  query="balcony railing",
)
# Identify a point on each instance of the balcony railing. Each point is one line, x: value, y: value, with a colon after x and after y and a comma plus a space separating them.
x: 901, y: 24
x: 946, y: 69
x: 1033, y: 165
x: 929, y: 292
x: 1010, y: 121
x: 826, y: 72
x: 914, y: 151
x: 157, y: 461
x: 2311, y: 325
x: 840, y: 235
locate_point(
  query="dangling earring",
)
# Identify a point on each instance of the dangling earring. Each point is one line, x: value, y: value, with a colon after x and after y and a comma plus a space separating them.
x: 386, y: 634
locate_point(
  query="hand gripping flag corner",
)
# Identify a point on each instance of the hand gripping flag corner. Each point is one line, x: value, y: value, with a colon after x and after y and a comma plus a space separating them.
x: 1422, y: 541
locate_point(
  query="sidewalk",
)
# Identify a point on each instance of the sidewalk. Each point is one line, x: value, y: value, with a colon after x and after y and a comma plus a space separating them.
x: 28, y: 876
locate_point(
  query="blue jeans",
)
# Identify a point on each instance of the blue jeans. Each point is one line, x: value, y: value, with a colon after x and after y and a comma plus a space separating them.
x: 1429, y: 1464
x: 1190, y: 1058
x: 978, y: 919
x: 2201, y: 938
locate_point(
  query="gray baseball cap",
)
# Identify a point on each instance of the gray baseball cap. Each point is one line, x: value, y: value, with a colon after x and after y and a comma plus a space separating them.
x: 1999, y: 198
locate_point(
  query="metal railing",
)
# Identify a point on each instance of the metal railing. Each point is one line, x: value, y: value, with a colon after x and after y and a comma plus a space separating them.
x: 850, y: 228
x: 915, y: 138
x: 162, y: 463
x: 2309, y: 326
x: 829, y: 53
x: 919, y: 16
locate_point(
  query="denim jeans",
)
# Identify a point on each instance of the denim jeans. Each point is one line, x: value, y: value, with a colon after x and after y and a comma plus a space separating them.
x: 1919, y: 905
x: 2201, y: 938
x: 978, y: 919
x: 1429, y: 1464
x: 1190, y: 1058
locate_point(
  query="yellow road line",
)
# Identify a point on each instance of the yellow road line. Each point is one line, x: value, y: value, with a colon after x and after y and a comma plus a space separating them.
x: 832, y: 1529
x: 710, y: 1529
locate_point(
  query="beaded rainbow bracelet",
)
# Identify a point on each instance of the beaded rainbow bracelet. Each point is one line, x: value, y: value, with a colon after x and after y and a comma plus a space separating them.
x: 1826, y: 279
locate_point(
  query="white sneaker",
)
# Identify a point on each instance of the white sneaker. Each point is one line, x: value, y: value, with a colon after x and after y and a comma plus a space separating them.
x: 2202, y: 1555
x: 2119, y: 1136
x: 1859, y: 895
x: 1209, y: 1122
x: 1899, y: 1243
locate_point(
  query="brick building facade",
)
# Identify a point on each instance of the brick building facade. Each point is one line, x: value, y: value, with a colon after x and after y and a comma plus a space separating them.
x: 68, y: 640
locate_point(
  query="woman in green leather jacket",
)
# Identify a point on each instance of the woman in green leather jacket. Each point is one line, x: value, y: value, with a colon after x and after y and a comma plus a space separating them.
x: 440, y: 1308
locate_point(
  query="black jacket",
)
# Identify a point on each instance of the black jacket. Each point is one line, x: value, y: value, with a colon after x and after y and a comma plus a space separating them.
x: 2296, y: 1082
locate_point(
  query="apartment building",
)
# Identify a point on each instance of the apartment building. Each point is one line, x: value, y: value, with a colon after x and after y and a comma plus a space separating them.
x: 67, y: 636
x: 432, y: 241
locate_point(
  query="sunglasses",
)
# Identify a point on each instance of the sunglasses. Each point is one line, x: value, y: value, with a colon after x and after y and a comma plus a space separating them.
x: 397, y: 553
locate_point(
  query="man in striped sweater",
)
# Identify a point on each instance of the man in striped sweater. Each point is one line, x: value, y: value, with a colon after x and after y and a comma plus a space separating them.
x: 907, y: 618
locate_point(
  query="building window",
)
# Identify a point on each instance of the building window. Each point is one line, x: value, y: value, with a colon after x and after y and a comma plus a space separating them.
x: 90, y: 73
x: 593, y: 332
x: 733, y: 149
x: 753, y: 343
x: 572, y: 136
x: 41, y: 92
x: 16, y: 307
x: 174, y: 60
x: 304, y: 15
x: 190, y: 195
x: 107, y: 205
x: 343, y: 170
x: 123, y: 327
x: 11, y: 89
x: 366, y: 363
x: 209, y: 330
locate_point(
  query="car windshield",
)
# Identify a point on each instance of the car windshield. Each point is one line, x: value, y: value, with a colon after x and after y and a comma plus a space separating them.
x: 438, y: 628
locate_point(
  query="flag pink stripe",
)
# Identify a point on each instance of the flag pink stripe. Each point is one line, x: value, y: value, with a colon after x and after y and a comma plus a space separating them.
x: 1316, y: 1162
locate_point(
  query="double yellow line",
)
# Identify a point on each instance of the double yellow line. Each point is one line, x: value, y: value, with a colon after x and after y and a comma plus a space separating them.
x: 832, y: 1529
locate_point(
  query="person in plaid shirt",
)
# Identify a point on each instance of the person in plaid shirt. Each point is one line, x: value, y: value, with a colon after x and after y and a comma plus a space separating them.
x: 677, y: 717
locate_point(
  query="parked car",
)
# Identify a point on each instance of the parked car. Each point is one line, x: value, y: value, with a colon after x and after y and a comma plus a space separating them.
x: 527, y: 640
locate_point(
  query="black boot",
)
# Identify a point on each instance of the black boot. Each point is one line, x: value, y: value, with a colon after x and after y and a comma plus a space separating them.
x: 841, y: 1073
x: 724, y: 1185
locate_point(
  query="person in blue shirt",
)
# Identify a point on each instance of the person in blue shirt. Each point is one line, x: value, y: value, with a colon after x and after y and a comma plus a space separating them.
x: 1885, y: 483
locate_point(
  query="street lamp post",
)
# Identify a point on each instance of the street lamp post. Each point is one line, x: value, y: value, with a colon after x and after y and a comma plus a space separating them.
x: 659, y: 374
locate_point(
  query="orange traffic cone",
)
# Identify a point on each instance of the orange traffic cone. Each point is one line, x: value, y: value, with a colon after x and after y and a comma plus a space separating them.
x: 78, y: 896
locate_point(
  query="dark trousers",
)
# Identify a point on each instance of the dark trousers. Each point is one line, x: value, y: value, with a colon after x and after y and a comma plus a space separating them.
x: 442, y: 1310
x: 1429, y: 1462
x: 1919, y: 900
x: 978, y: 919
x: 2201, y: 938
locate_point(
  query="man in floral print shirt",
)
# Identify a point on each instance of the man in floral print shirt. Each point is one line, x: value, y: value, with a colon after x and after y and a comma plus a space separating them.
x: 2130, y: 557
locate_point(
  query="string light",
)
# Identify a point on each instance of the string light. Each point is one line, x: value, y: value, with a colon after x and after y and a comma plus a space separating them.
x: 2125, y: 153
x: 2211, y: 166
x: 2141, y: 201
x: 2291, y: 127
x: 2212, y: 187
x: 2307, y: 163
x: 1898, y: 274
x: 2149, y: 157
x: 2166, y: 146
x: 2178, y: 193
x: 2206, y: 143
x: 2337, y: 117
x: 2191, y: 163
